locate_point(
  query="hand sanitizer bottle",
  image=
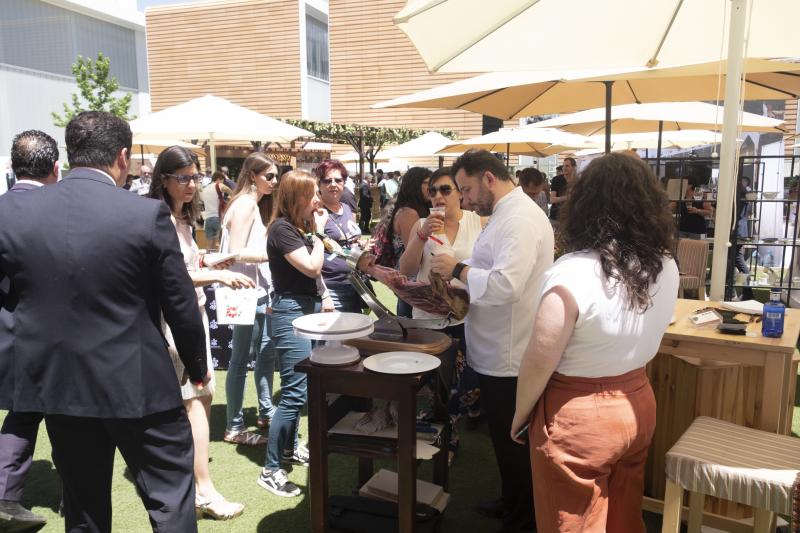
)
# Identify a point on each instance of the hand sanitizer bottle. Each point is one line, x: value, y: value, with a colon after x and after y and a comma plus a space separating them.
x: 772, y: 319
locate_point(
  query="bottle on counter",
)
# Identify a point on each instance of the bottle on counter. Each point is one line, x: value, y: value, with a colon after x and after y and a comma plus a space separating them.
x: 773, y: 315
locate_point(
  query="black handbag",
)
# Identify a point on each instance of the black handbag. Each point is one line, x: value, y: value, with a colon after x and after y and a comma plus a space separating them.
x: 354, y: 514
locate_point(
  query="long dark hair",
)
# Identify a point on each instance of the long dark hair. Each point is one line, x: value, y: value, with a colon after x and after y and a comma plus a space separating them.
x: 618, y: 209
x: 410, y: 195
x: 172, y: 159
x: 253, y: 165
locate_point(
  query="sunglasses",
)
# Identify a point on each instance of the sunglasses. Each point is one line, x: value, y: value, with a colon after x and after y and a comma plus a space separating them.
x: 328, y: 181
x: 269, y: 176
x: 183, y: 179
x: 444, y: 189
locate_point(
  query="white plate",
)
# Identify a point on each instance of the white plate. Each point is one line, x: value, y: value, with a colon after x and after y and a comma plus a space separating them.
x: 334, y: 323
x: 401, y: 362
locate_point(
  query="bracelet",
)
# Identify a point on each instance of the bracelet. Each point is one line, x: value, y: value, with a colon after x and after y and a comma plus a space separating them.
x: 421, y: 237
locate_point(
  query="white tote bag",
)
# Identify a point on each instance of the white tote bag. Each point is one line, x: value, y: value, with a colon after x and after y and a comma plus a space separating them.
x: 235, y: 307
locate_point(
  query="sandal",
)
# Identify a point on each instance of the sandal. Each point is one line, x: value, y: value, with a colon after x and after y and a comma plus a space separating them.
x: 218, y: 509
x: 248, y: 438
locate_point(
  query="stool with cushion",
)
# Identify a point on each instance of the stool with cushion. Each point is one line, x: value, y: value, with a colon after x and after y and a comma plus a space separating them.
x: 734, y: 463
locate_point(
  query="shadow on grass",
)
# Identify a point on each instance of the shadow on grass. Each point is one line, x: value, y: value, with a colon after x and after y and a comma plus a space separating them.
x: 42, y: 487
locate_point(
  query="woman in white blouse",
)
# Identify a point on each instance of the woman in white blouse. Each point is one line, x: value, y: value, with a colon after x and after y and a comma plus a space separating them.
x: 454, y: 234
x: 601, y: 315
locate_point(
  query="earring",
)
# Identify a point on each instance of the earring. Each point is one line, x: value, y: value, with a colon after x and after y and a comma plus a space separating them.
x: 253, y: 187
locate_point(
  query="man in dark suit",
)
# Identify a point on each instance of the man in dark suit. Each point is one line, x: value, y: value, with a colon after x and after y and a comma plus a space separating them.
x: 34, y: 159
x: 92, y: 269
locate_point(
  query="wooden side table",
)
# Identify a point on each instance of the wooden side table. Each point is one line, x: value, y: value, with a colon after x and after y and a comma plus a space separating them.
x: 356, y: 381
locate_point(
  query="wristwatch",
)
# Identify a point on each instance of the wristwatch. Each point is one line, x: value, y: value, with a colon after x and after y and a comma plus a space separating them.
x: 457, y: 270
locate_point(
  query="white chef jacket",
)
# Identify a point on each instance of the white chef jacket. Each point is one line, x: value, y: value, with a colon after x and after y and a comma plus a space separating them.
x: 506, y: 270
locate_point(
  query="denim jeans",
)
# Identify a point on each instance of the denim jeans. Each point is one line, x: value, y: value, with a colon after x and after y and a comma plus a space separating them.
x: 345, y: 299
x: 289, y: 350
x: 250, y: 341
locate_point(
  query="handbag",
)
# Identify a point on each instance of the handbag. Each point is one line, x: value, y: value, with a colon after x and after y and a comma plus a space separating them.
x: 235, y: 307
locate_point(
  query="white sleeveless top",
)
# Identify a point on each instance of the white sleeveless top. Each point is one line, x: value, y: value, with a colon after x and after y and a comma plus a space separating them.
x: 256, y: 240
x: 469, y: 227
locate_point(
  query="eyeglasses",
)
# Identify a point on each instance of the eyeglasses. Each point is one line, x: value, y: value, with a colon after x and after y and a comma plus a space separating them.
x: 444, y: 189
x: 183, y: 179
x: 328, y: 181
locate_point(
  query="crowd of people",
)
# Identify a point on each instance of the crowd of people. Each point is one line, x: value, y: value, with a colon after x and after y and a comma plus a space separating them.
x: 104, y: 336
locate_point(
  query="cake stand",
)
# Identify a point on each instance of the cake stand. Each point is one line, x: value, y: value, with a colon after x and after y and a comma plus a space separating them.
x: 333, y: 328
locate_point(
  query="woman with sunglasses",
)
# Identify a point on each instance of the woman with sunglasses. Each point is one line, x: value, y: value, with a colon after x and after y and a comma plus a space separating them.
x: 296, y: 255
x: 244, y: 232
x: 175, y: 180
x: 454, y: 234
x: 341, y: 228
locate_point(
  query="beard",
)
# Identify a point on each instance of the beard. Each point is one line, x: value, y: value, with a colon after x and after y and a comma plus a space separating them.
x: 484, y: 204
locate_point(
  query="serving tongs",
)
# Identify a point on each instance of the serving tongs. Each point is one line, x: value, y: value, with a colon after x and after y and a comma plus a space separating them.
x: 388, y: 326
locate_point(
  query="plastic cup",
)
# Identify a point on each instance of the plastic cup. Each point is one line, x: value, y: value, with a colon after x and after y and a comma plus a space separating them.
x: 438, y: 212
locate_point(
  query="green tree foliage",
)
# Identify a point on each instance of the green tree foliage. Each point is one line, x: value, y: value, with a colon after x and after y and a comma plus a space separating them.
x: 367, y: 141
x: 96, y: 91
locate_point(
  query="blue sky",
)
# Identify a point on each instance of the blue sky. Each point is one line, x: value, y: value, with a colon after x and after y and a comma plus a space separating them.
x: 141, y: 4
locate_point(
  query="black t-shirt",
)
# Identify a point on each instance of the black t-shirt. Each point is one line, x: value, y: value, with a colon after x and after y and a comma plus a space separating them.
x: 365, y: 198
x: 692, y: 222
x: 282, y: 239
x: 559, y: 186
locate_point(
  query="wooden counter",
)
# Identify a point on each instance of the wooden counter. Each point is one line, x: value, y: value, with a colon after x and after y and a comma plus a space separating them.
x: 747, y: 380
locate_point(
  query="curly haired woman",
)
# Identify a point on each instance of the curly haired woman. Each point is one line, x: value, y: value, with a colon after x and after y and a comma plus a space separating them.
x: 603, y: 309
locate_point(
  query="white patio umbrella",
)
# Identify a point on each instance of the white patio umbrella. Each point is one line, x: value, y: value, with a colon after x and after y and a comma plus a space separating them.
x: 668, y: 116
x: 215, y: 119
x: 146, y: 145
x: 668, y: 32
x: 539, y: 142
x: 652, y: 139
x: 427, y: 145
x: 574, y: 33
x: 662, y: 116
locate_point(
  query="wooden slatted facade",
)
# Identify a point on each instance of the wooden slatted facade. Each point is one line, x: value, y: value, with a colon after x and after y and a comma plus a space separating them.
x: 247, y: 51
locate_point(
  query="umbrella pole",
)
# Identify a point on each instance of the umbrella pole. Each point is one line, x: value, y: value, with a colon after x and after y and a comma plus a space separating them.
x: 212, y: 152
x: 727, y: 158
x: 141, y: 152
x: 508, y: 156
x: 608, y: 85
x: 441, y: 161
x: 658, y: 153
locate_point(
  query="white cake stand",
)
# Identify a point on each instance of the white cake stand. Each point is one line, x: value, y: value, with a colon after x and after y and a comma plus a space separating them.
x: 333, y: 328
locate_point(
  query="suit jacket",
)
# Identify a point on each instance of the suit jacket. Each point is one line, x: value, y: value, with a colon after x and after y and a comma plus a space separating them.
x: 91, y: 269
x: 6, y: 318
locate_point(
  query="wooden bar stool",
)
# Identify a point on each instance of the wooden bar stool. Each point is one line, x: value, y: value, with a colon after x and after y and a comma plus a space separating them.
x: 734, y: 463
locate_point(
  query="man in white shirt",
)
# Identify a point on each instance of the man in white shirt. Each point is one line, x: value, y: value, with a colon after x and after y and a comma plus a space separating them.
x: 502, y: 277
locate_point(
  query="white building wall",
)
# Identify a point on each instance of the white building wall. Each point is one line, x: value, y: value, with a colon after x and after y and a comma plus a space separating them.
x: 319, y: 99
x: 28, y: 97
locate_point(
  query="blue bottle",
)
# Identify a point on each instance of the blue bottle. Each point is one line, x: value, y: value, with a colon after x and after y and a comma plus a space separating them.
x: 772, y: 319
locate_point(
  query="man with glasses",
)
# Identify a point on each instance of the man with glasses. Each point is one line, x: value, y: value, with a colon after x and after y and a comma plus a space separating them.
x: 92, y: 271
